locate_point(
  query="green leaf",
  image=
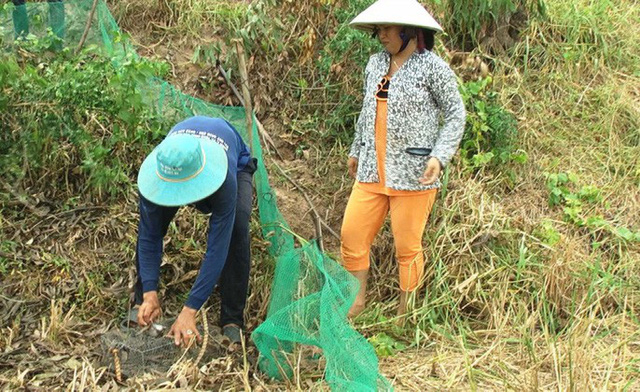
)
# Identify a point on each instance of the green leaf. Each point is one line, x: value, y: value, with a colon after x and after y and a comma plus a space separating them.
x: 624, y: 233
x: 563, y: 178
x: 125, y: 115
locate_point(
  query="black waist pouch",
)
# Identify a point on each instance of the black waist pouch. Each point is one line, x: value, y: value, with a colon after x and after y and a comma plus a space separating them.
x: 419, y: 151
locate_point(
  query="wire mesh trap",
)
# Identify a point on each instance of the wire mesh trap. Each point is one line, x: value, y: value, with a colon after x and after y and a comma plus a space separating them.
x: 133, y: 351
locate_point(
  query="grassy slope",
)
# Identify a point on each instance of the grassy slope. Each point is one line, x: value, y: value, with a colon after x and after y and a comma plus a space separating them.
x: 573, y: 84
x: 516, y: 297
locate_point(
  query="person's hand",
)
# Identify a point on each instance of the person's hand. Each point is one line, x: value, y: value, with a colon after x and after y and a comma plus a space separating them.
x: 150, y: 309
x: 352, y: 165
x: 432, y: 173
x: 184, y: 328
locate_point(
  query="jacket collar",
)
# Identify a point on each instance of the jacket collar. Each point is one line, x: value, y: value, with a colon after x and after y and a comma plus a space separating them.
x: 383, y: 65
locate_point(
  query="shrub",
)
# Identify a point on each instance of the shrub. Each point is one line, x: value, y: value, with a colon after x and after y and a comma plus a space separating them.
x: 76, y: 124
x: 490, y: 137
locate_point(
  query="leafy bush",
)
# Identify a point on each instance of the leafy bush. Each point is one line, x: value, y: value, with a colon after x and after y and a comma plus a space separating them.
x: 490, y: 137
x: 75, y: 123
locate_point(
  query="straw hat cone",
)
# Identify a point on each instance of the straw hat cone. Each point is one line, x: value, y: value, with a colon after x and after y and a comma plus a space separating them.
x: 395, y: 12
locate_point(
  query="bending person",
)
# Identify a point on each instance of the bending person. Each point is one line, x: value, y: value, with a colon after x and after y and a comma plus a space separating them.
x: 410, y: 125
x: 203, y: 163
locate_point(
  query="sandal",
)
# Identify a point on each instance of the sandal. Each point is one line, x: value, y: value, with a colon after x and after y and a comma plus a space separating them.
x: 233, y: 333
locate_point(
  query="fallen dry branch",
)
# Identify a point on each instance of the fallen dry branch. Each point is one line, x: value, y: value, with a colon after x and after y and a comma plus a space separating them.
x: 267, y: 140
x: 318, y: 221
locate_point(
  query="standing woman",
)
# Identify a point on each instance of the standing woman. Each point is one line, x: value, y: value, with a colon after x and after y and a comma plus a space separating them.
x: 411, y: 123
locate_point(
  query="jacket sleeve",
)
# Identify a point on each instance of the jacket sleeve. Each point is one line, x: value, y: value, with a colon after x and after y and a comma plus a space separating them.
x: 354, y: 151
x: 220, y: 229
x: 444, y: 87
x: 154, y: 221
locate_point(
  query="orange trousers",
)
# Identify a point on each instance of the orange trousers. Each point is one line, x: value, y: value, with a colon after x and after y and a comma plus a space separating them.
x: 363, y: 219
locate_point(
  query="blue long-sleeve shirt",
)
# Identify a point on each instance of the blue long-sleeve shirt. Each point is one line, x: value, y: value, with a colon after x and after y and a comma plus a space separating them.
x: 155, y: 219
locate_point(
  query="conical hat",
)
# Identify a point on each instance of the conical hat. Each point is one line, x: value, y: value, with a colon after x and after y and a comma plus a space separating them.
x: 395, y: 12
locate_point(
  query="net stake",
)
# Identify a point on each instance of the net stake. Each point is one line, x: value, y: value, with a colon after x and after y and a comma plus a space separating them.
x: 244, y: 84
x: 116, y: 364
x: 263, y: 132
x: 87, y: 27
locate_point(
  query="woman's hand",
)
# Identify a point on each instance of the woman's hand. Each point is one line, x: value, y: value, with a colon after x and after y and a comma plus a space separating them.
x: 432, y: 173
x: 150, y: 309
x: 352, y: 165
x: 184, y: 328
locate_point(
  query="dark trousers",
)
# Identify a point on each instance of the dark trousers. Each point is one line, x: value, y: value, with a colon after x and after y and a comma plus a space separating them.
x: 234, y: 280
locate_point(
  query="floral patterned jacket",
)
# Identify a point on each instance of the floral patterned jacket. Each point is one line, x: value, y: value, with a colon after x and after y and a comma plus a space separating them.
x: 424, y: 110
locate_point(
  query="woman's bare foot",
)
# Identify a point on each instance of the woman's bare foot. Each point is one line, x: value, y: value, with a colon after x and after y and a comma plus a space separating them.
x: 402, y: 308
x: 360, y: 301
x: 355, y: 310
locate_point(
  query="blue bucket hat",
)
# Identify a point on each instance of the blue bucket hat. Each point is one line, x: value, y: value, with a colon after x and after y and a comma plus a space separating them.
x: 181, y: 170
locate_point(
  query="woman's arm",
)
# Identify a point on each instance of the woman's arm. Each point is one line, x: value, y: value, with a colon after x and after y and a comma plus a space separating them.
x: 444, y: 87
x: 354, y: 151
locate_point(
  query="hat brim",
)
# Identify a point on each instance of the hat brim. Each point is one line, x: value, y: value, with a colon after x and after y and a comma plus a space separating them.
x: 395, y: 12
x: 175, y: 194
x: 370, y: 27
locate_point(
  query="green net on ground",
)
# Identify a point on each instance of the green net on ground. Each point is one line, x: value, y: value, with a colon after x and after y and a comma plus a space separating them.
x: 311, y: 293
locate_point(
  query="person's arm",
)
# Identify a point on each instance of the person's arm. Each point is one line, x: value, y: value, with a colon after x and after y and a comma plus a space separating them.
x: 154, y: 221
x: 223, y: 211
x: 220, y: 228
x: 444, y: 87
x: 354, y: 151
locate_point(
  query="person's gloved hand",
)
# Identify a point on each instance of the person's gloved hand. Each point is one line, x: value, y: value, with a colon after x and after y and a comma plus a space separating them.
x: 432, y: 172
x: 352, y: 165
x: 150, y: 309
x: 184, y: 329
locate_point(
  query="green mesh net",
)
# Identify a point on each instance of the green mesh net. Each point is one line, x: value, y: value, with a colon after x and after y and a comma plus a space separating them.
x: 311, y: 293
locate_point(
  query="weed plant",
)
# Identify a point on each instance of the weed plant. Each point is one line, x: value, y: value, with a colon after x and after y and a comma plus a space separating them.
x: 75, y: 121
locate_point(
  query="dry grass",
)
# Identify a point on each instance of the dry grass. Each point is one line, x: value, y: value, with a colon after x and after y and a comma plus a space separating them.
x: 499, y: 363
